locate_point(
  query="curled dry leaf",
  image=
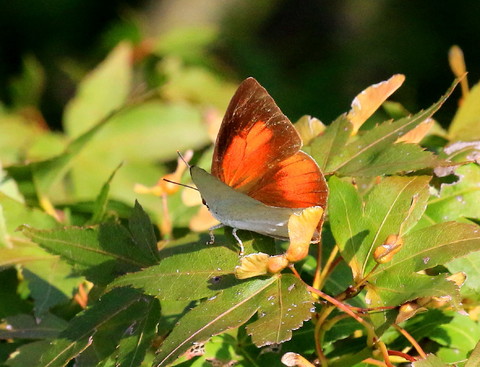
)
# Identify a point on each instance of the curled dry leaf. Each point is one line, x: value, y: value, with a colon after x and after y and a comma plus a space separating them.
x: 370, y: 99
x: 418, y: 133
x: 301, y: 228
x: 309, y: 128
x: 252, y: 265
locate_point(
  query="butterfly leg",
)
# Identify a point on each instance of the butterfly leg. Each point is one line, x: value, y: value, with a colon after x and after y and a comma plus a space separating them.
x: 240, y: 243
x: 212, y: 237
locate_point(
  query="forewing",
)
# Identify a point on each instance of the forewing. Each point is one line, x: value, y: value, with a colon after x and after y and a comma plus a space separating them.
x: 254, y: 137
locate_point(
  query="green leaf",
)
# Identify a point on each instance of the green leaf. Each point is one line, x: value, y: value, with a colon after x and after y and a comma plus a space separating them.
x: 431, y: 361
x: 142, y: 232
x: 32, y: 354
x: 349, y: 225
x: 14, y: 213
x: 103, y: 91
x: 419, y: 327
x: 118, y: 309
x: 461, y: 333
x: 428, y: 247
x: 101, y: 202
x: 331, y: 142
x: 186, y: 42
x: 27, y: 89
x: 396, y: 158
x: 359, y: 231
x: 24, y: 326
x: 186, y: 276
x: 466, y: 122
x: 138, y: 338
x: 11, y: 302
x: 162, y: 129
x: 457, y: 200
x: 44, y: 174
x: 474, y: 359
x: 470, y: 265
x: 50, y: 282
x: 389, y: 207
x: 391, y: 289
x: 282, y: 309
x: 97, y: 252
x: 397, y: 281
x: 229, y: 309
x: 374, y: 141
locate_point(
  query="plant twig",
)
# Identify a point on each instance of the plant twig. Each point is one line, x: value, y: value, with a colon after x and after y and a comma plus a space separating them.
x: 412, y: 340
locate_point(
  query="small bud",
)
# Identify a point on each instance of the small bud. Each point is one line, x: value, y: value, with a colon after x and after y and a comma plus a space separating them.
x: 301, y: 228
x: 385, y: 252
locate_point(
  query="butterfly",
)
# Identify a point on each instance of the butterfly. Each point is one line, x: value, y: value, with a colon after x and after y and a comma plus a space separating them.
x: 259, y: 176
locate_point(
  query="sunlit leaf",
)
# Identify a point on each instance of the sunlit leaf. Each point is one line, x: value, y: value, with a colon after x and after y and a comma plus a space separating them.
x: 431, y: 361
x: 432, y: 246
x: 369, y: 100
x: 101, y: 92
x: 390, y: 289
x: 466, y: 122
x: 374, y: 141
x: 309, y: 128
x: 35, y: 179
x: 349, y: 225
x: 474, y: 359
x: 326, y: 146
x: 459, y: 199
x: 461, y: 333
x: 390, y: 206
x: 470, y: 266
x: 162, y: 128
x: 397, y: 281
x: 396, y: 158
x: 359, y: 229
x: 14, y: 213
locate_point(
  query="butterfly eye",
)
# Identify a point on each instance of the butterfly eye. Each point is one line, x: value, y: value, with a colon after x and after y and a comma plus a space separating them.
x: 204, y: 203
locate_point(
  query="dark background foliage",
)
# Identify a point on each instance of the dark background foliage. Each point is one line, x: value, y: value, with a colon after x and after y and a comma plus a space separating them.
x: 321, y: 52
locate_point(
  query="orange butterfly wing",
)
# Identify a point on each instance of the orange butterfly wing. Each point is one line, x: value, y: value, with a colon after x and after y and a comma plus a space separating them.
x: 258, y: 152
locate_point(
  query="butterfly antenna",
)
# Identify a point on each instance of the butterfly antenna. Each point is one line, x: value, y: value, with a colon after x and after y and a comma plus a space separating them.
x: 183, y: 159
x: 180, y: 184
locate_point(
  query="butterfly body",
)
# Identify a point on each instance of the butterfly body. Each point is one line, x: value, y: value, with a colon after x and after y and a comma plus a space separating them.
x: 238, y: 210
x: 259, y: 175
